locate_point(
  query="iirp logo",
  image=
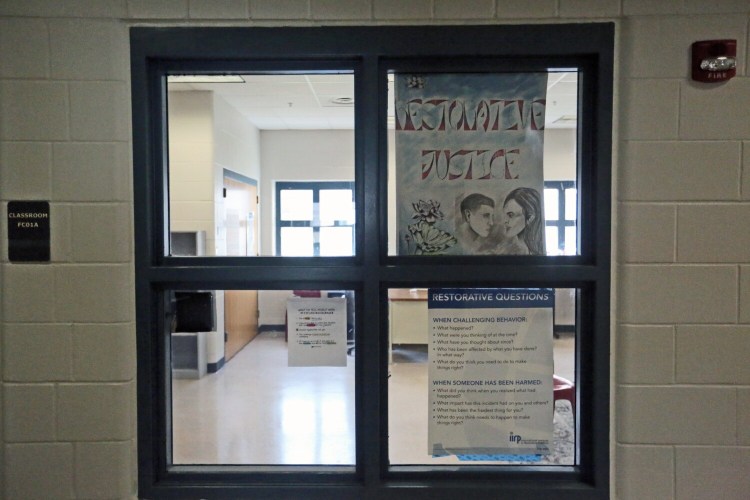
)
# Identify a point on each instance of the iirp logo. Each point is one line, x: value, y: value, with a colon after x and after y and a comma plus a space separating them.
x: 514, y: 438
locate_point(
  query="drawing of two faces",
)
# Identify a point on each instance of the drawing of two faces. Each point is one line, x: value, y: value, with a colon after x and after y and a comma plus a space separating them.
x: 522, y: 223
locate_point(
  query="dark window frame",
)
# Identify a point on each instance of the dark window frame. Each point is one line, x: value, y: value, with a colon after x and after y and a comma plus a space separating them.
x: 370, y: 52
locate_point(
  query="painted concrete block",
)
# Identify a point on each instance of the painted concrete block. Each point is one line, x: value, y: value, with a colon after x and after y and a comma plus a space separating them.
x: 713, y: 233
x: 27, y: 170
x: 402, y: 9
x: 91, y: 172
x: 712, y: 354
x: 103, y: 470
x: 478, y: 9
x: 94, y: 412
x: 340, y: 10
x: 647, y: 233
x: 29, y: 412
x: 101, y: 233
x: 218, y: 9
x: 85, y: 49
x: 712, y: 472
x: 33, y: 293
x: 525, y: 9
x: 280, y: 9
x: 649, y: 109
x: 677, y: 415
x: 678, y: 294
x: 645, y: 472
x: 680, y: 171
x: 24, y: 44
x: 99, y: 111
x: 37, y: 352
x: 33, y: 111
x: 589, y: 8
x: 104, y: 352
x: 39, y: 470
x: 94, y: 293
x: 645, y: 355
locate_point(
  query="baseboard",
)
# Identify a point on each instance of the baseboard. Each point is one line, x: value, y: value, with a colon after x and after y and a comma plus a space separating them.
x: 215, y: 367
x: 271, y: 328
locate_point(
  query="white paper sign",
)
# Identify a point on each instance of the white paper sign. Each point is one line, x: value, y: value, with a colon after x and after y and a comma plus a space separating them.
x: 490, y: 371
x: 317, y: 331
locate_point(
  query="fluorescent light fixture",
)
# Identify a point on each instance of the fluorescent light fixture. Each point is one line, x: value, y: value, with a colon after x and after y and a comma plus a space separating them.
x: 205, y: 79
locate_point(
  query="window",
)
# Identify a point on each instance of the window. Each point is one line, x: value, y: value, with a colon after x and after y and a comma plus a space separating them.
x: 560, y: 206
x: 367, y: 261
x: 315, y: 219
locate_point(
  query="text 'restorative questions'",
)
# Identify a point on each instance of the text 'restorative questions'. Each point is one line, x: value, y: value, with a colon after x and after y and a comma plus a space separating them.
x: 490, y: 371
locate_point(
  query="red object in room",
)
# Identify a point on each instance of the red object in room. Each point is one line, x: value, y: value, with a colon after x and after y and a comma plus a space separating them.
x: 714, y: 60
x: 564, y: 389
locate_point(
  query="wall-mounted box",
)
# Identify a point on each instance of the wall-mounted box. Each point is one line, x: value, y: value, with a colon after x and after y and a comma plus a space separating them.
x: 189, y: 354
x: 187, y: 243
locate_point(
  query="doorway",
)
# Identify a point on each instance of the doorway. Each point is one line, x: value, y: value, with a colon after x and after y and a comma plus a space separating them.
x: 241, y: 223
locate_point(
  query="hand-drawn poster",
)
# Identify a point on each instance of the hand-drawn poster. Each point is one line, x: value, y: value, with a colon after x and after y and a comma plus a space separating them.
x: 469, y: 173
x: 490, y: 371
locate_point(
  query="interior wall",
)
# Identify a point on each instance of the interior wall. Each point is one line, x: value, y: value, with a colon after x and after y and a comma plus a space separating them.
x: 296, y: 155
x: 191, y: 159
x: 300, y: 155
x: 206, y: 136
x: 236, y: 148
x: 559, y: 154
x: 681, y: 272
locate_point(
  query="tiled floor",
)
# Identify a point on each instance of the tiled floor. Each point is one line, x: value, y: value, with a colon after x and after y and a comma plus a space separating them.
x: 257, y: 410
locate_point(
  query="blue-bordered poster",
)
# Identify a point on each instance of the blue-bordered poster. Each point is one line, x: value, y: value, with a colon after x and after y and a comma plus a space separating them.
x: 469, y: 171
x: 490, y: 371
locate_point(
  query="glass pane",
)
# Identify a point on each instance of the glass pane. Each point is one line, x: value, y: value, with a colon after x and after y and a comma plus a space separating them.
x: 297, y: 242
x: 553, y: 242
x: 279, y: 390
x: 336, y: 207
x: 220, y: 192
x: 481, y: 376
x: 336, y: 241
x: 570, y: 241
x: 468, y: 158
x: 571, y: 204
x: 296, y: 204
x: 551, y: 204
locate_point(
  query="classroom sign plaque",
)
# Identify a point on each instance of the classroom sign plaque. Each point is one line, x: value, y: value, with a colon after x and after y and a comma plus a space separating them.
x: 28, y: 231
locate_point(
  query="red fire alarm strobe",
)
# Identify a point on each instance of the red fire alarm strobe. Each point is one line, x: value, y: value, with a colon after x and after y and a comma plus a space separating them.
x: 714, y: 60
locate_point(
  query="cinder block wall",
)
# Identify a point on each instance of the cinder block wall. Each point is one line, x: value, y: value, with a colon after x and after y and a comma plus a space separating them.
x: 681, y: 322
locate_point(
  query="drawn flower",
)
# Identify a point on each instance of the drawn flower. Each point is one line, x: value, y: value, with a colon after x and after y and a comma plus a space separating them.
x: 415, y: 82
x: 427, y: 211
x: 429, y: 239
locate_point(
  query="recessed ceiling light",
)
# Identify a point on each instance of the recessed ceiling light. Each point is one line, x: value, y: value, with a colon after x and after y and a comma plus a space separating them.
x: 343, y: 101
x: 205, y: 79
